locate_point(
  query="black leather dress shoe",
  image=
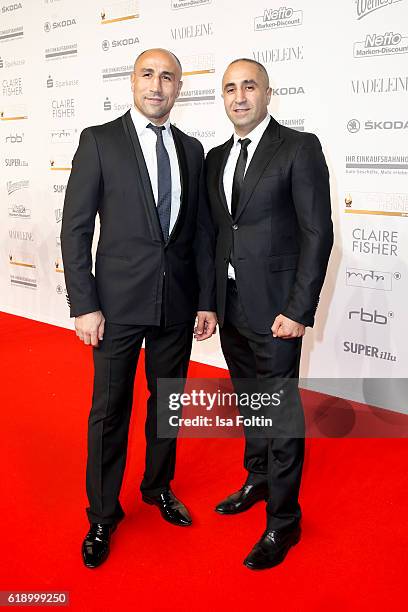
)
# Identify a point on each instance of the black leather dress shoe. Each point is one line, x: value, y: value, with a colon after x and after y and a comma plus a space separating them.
x: 95, y: 547
x: 243, y: 499
x: 171, y: 508
x: 272, y: 548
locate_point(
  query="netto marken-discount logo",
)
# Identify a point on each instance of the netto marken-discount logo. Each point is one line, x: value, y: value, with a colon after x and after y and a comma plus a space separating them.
x: 283, y: 17
x: 389, y: 43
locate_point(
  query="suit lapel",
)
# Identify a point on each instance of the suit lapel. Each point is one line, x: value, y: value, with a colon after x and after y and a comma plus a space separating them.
x: 266, y: 149
x: 225, y: 151
x: 182, y: 160
x: 147, y: 193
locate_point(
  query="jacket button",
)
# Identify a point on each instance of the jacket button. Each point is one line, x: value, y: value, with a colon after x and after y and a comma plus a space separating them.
x: 235, y: 226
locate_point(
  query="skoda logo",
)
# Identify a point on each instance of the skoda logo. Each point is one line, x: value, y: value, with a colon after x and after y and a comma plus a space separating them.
x: 353, y: 126
x: 47, y: 26
x: 105, y: 45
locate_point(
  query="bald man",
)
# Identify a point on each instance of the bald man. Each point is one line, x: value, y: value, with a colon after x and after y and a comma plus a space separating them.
x: 154, y: 274
x: 269, y: 192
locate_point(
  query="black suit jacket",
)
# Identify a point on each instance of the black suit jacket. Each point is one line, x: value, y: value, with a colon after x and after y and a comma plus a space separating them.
x: 282, y: 234
x: 109, y: 177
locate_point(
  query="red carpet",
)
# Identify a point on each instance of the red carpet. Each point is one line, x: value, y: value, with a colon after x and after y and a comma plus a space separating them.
x: 352, y: 556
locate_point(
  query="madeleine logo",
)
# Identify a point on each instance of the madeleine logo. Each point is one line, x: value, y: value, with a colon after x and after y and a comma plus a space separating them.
x: 365, y: 7
x: 119, y: 11
x: 283, y: 17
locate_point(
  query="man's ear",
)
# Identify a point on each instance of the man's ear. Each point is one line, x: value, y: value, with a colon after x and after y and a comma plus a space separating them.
x: 268, y: 94
x: 132, y: 81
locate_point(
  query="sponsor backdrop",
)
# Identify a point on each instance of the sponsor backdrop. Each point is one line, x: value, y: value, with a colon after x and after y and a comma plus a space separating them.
x: 339, y: 71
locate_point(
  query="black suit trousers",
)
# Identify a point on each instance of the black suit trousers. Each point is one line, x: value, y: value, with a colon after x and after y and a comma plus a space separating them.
x: 167, y: 354
x: 277, y: 461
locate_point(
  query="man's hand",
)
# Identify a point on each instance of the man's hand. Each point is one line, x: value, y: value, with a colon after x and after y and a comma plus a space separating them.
x: 206, y: 324
x: 90, y: 327
x: 283, y: 327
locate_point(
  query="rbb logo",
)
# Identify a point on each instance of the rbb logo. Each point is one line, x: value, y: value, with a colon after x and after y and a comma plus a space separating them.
x: 13, y: 139
x: 368, y: 317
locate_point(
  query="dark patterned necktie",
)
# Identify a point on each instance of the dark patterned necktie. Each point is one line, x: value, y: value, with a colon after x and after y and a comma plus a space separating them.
x: 239, y: 175
x: 163, y: 180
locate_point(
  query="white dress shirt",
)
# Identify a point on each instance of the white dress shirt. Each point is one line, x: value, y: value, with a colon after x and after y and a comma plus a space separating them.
x: 148, y: 139
x: 254, y: 136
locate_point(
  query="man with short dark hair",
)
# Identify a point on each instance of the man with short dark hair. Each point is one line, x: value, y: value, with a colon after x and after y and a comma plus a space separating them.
x: 268, y: 187
x: 154, y: 273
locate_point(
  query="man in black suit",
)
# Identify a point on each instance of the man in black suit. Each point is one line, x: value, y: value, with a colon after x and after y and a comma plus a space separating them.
x: 268, y: 187
x: 154, y: 273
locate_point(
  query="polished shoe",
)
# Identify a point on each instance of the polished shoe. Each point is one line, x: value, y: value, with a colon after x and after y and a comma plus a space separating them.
x: 171, y: 508
x: 272, y: 548
x: 95, y: 547
x: 243, y: 499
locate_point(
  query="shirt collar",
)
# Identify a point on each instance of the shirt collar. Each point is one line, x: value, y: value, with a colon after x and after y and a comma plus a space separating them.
x: 141, y: 122
x: 256, y: 134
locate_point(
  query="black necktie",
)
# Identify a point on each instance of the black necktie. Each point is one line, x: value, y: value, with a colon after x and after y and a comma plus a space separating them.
x: 163, y: 180
x: 239, y: 175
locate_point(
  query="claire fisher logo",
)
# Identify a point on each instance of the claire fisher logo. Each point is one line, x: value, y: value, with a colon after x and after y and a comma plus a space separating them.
x: 365, y: 7
x: 283, y: 17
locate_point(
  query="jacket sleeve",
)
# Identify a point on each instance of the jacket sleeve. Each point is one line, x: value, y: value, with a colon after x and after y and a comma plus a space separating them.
x: 204, y: 247
x: 78, y: 222
x: 311, y: 197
